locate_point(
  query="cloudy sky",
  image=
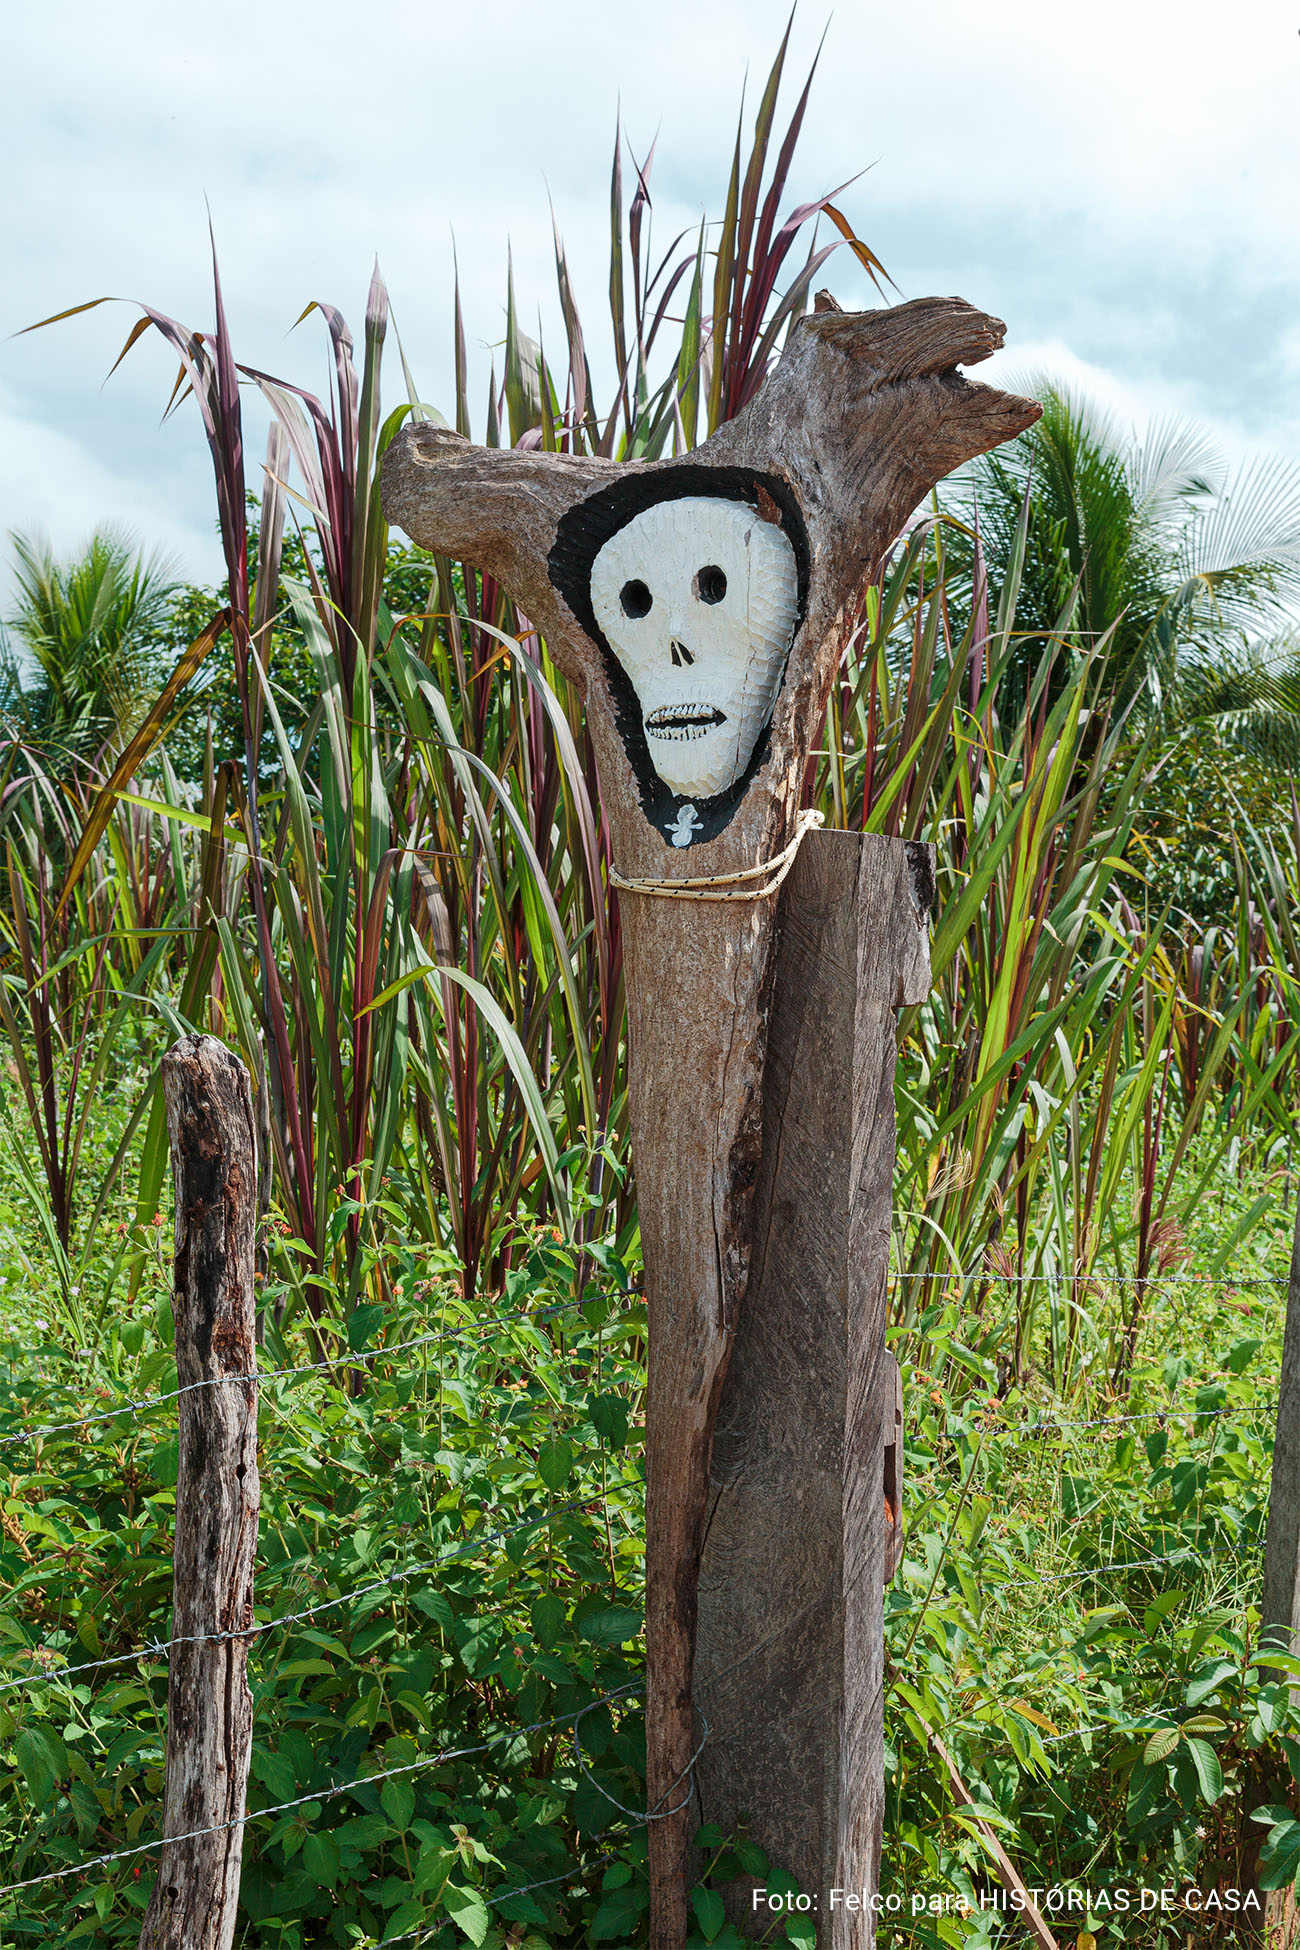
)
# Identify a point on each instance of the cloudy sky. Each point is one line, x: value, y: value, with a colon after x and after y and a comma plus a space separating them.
x: 1120, y: 182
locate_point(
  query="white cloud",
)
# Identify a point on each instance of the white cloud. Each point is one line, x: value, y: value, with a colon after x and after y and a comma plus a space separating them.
x: 52, y: 485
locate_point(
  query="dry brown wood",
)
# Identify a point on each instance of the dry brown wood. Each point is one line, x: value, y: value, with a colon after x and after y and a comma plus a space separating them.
x: 1028, y: 1912
x: 893, y: 1486
x: 1280, y: 1612
x: 1280, y: 1607
x: 789, y: 1657
x: 864, y: 413
x: 209, y: 1707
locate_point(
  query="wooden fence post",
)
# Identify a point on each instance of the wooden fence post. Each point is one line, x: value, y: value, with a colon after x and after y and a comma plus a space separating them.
x: 1280, y: 1612
x: 803, y: 1523
x: 209, y: 1707
x: 702, y: 605
x: 1280, y: 1605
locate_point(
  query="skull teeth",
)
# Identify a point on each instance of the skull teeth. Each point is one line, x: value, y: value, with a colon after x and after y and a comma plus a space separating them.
x: 683, y: 721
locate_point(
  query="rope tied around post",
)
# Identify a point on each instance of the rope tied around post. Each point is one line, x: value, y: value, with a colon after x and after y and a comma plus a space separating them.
x: 733, y: 886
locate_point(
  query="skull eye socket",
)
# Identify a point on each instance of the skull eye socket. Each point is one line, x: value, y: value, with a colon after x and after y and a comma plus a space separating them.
x: 711, y: 584
x: 635, y: 598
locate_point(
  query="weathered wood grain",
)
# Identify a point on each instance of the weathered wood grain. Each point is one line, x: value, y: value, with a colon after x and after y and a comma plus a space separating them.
x: 863, y: 414
x: 209, y: 1707
x: 1280, y: 1611
x: 789, y: 1658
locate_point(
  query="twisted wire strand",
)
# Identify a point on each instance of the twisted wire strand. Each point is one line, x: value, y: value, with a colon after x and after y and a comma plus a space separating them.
x: 148, y: 1402
x: 155, y: 1648
x: 304, y: 1800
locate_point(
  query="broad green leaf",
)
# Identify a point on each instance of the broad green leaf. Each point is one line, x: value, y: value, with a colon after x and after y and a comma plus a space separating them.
x: 548, y: 1615
x: 320, y: 1857
x: 1208, y: 1771
x: 555, y: 1461
x: 467, y: 1909
x: 611, y: 1625
x: 1161, y: 1745
x: 43, y: 1759
x: 397, y: 1799
x: 709, y: 1912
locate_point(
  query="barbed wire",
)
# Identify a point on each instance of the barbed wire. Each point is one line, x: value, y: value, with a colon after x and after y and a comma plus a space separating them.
x: 569, y: 1874
x: 470, y: 1548
x: 304, y: 1800
x: 148, y: 1402
x: 1024, y: 1432
x: 1081, y: 1279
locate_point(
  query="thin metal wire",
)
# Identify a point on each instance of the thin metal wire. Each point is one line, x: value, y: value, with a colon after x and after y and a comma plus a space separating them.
x: 279, y: 1374
x: 1028, y: 1430
x: 574, y: 1870
x: 470, y: 1548
x: 1083, y: 1279
x: 304, y: 1800
x: 650, y: 1814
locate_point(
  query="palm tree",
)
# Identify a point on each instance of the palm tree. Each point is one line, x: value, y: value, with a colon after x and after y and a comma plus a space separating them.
x: 79, y: 666
x: 1184, y: 575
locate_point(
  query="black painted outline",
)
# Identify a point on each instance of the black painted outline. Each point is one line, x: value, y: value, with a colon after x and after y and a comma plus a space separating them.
x: 579, y: 538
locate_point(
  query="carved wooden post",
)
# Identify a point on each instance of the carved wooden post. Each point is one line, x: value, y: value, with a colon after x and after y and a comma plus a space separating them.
x: 209, y: 1707
x: 703, y: 606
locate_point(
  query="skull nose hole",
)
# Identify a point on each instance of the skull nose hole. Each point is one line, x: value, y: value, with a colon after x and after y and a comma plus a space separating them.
x: 679, y: 653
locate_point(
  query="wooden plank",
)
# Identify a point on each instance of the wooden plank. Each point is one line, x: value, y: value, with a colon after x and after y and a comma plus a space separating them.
x: 1028, y: 1915
x: 209, y: 1706
x: 789, y: 1655
x: 1280, y: 1606
x: 1280, y: 1612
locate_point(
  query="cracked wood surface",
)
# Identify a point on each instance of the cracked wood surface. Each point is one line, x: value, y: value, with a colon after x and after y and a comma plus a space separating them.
x: 863, y: 415
x: 209, y: 1706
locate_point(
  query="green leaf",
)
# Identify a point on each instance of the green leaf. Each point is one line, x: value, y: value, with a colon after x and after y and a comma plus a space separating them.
x: 554, y: 1462
x: 620, y: 1914
x: 1242, y: 1353
x: 1161, y: 1745
x: 320, y: 1857
x: 1279, y: 1859
x: 611, y: 1625
x: 43, y: 1759
x: 709, y: 1912
x: 435, y: 1605
x: 548, y: 1615
x: 362, y: 1325
x: 467, y: 1909
x: 801, y: 1930
x: 397, y: 1799
x: 1208, y: 1771
x: 403, y: 1921
x: 609, y: 1418
x: 1209, y: 1680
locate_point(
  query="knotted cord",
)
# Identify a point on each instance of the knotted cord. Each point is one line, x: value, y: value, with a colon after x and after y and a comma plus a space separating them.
x: 734, y: 886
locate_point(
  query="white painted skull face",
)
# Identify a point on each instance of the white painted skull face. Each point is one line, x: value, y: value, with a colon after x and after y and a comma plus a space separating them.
x: 699, y: 599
